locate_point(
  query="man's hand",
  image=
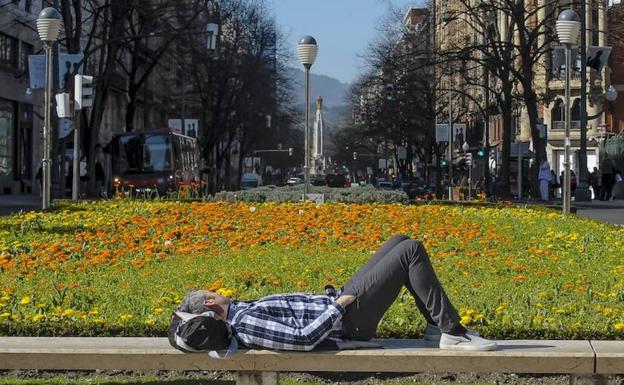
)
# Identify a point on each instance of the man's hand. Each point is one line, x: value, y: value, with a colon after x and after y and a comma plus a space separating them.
x: 345, y: 300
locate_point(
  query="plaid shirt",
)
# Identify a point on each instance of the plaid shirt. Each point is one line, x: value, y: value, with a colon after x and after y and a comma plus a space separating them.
x: 287, y: 321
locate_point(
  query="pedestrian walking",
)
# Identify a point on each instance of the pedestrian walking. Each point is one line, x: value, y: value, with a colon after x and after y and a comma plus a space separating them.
x: 596, y: 182
x: 607, y: 167
x: 554, y: 184
x: 545, y: 178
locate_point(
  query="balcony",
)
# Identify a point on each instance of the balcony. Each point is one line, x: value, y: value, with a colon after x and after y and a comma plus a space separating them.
x: 560, y: 125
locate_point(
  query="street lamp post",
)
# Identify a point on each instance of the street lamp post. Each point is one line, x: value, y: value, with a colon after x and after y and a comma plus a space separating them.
x: 582, y: 192
x: 568, y: 27
x: 307, y: 49
x: 447, y: 17
x: 48, y: 27
x: 466, y: 147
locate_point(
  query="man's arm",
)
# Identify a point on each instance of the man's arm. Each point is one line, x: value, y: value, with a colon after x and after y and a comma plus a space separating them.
x: 263, y: 330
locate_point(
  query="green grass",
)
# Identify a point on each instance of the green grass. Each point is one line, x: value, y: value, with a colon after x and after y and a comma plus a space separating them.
x: 118, y: 268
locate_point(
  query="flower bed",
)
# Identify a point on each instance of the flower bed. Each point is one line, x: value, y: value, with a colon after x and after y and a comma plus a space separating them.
x: 119, y: 267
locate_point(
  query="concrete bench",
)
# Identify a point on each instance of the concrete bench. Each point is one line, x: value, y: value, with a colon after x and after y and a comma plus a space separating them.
x: 255, y: 367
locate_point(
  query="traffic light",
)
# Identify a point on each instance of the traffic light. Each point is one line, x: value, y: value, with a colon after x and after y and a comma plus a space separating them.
x: 468, y: 158
x: 390, y: 91
x: 290, y: 151
x: 481, y: 152
x: 83, y: 91
x: 354, y: 155
x: 443, y: 163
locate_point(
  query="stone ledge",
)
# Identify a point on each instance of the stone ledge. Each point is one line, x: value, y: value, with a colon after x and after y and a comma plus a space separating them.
x: 609, y: 356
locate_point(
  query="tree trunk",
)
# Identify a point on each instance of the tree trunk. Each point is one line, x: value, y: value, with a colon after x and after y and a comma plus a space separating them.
x: 107, y: 67
x: 539, y: 144
x: 131, y: 108
x: 504, y: 190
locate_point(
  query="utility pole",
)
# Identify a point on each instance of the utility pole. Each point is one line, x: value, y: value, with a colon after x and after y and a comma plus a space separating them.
x: 582, y: 192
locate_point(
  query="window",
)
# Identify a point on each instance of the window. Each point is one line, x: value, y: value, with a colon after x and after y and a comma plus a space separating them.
x: 8, y: 53
x: 27, y: 49
x: 7, y: 125
x: 595, y: 26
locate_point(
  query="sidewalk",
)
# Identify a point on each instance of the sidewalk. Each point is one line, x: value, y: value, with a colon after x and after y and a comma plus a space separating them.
x: 10, y: 204
x: 604, y: 211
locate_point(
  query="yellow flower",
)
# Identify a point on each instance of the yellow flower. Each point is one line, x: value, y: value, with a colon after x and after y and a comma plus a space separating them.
x: 125, y: 317
x: 159, y: 310
x: 68, y: 312
x: 5, y: 314
x: 619, y: 326
x: 25, y: 300
x: 150, y: 321
x: 466, y: 320
x: 225, y: 292
x: 37, y: 317
x: 94, y: 311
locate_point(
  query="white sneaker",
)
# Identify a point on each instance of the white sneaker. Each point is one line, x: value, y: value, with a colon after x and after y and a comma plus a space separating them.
x: 433, y: 333
x: 466, y: 342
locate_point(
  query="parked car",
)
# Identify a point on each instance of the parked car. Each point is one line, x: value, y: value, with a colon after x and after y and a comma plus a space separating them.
x: 385, y: 185
x: 250, y: 180
x: 336, y: 180
x: 294, y: 181
x: 417, y: 188
x: 317, y: 180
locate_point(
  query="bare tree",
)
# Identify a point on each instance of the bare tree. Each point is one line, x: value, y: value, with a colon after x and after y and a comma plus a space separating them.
x: 236, y: 85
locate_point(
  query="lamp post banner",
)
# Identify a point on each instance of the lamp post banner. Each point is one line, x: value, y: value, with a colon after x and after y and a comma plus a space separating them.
x: 442, y: 133
x: 68, y: 63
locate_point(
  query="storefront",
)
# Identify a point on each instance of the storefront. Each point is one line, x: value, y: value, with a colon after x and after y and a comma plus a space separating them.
x: 15, y: 147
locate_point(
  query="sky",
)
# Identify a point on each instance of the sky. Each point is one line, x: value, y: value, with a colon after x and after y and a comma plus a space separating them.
x: 342, y: 28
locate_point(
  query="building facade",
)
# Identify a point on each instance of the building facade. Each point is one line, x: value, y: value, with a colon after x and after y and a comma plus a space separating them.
x: 20, y: 107
x: 549, y: 75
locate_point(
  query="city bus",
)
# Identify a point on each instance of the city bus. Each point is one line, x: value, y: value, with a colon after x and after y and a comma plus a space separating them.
x: 154, y: 161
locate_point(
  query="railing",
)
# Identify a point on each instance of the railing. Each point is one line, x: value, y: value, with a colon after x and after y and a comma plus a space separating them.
x: 560, y: 75
x: 560, y: 125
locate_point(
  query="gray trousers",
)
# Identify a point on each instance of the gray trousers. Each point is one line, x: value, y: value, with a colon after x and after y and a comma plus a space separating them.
x: 401, y: 262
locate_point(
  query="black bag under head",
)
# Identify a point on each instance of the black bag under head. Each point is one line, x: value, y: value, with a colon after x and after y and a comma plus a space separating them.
x: 200, y: 333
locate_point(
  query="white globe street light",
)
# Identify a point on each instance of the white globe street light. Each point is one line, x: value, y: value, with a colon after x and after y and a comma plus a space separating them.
x: 307, y: 49
x: 611, y: 94
x: 48, y: 27
x: 568, y: 27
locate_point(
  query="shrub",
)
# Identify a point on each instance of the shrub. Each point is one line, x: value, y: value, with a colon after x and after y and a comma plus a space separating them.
x: 276, y: 194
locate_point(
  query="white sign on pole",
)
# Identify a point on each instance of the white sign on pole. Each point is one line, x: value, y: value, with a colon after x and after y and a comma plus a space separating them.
x: 523, y: 146
x: 36, y: 71
x: 175, y: 125
x: 442, y: 132
x: 382, y: 164
x: 65, y: 127
x: 402, y: 153
x: 69, y: 65
x: 191, y: 126
x: 459, y: 134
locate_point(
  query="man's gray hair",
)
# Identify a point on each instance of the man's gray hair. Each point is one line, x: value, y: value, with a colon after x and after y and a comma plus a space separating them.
x: 193, y: 302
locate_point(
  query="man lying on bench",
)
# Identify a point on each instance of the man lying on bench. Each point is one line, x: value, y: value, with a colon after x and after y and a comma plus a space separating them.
x: 302, y: 322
